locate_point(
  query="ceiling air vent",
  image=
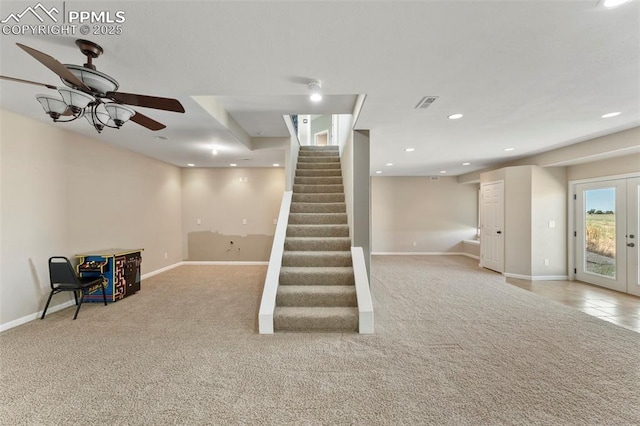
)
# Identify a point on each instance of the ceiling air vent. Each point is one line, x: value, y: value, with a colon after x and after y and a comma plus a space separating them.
x: 426, y: 102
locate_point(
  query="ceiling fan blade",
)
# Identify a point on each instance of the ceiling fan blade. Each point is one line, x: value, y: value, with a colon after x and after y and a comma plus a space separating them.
x: 147, y: 122
x: 19, y: 80
x: 166, y: 104
x: 55, y: 66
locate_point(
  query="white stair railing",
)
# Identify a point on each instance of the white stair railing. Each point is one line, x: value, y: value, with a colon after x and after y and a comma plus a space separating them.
x: 271, y: 282
x: 363, y: 291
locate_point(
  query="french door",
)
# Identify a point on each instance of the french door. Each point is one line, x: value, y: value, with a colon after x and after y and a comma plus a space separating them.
x: 607, y: 225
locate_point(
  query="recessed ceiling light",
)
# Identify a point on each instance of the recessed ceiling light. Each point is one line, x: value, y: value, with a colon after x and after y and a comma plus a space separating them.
x: 455, y: 116
x: 190, y: 164
x: 466, y: 164
x: 612, y: 3
x: 389, y: 164
x: 379, y: 171
x: 611, y: 114
x: 509, y: 149
x: 233, y: 165
x: 443, y: 171
x: 276, y: 165
x: 409, y: 149
x: 214, y: 152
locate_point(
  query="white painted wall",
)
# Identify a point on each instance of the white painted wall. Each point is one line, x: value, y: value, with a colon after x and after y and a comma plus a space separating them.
x: 62, y: 194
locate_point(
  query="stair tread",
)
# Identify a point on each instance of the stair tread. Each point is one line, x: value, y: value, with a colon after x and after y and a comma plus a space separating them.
x: 317, y: 269
x: 313, y: 239
x: 344, y: 253
x: 315, y: 311
x: 314, y: 289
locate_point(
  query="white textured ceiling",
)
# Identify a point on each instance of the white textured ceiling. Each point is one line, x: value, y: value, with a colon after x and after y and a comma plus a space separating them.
x: 529, y: 75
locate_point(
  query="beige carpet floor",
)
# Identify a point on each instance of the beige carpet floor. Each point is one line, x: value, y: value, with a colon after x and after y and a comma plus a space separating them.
x: 454, y: 345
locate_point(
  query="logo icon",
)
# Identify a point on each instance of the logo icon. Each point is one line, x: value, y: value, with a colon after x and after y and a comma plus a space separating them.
x: 34, y: 11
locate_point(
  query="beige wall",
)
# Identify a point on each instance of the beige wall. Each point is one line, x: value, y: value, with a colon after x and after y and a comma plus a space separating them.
x: 435, y: 215
x: 619, y: 146
x: 603, y: 168
x: 63, y: 193
x: 549, y: 203
x: 220, y: 200
x: 517, y: 217
x: 533, y: 197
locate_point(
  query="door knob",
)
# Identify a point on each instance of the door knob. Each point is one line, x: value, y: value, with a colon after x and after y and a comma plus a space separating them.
x: 631, y: 245
x: 631, y: 236
x: 498, y: 232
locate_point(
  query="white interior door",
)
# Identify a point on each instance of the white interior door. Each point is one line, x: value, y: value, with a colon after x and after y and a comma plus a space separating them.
x: 607, y: 234
x: 492, y: 226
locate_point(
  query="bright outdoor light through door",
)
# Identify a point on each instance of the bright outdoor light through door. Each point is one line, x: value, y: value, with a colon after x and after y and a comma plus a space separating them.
x: 607, y: 234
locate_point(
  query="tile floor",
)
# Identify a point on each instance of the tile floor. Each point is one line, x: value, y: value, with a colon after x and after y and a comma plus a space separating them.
x: 619, y: 308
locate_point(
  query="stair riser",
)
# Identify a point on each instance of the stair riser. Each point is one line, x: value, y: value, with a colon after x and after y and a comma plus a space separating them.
x: 316, y: 159
x: 312, y: 279
x: 318, y: 231
x: 319, y: 154
x: 310, y: 259
x: 318, y: 173
x: 318, y: 219
x: 303, y: 299
x: 318, y: 208
x: 336, y: 323
x: 317, y: 244
x: 314, y: 189
x: 319, y: 148
x: 318, y: 198
x: 318, y: 180
x: 321, y: 166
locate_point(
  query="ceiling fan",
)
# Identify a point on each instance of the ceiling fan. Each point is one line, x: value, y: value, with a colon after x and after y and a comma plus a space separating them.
x: 92, y: 94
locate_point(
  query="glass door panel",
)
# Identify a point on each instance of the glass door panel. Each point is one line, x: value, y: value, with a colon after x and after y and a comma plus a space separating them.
x: 600, y: 231
x: 600, y: 238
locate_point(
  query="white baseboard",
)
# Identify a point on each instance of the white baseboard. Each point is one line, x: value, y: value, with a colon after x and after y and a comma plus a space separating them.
x: 159, y: 271
x: 216, y: 262
x: 423, y: 253
x: 31, y: 317
x: 61, y: 306
x: 536, y: 277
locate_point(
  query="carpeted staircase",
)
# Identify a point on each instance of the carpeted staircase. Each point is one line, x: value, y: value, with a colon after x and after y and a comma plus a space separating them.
x: 317, y: 291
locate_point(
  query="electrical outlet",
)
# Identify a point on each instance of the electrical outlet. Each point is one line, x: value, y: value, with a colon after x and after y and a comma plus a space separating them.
x: 415, y: 244
x: 166, y: 255
x: 546, y: 262
x: 552, y: 224
x: 275, y: 221
x: 198, y: 221
x: 244, y: 221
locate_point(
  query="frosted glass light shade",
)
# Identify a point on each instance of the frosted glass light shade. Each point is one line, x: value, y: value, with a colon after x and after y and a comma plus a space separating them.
x: 75, y: 98
x: 97, y: 116
x: 53, y: 106
x: 120, y: 114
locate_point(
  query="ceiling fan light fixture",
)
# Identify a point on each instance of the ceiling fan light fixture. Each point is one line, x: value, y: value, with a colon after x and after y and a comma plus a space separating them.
x: 98, y: 117
x: 95, y: 80
x: 120, y: 114
x: 75, y: 99
x: 53, y: 106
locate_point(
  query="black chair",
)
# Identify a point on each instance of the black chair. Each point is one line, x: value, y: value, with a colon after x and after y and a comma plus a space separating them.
x: 63, y: 278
